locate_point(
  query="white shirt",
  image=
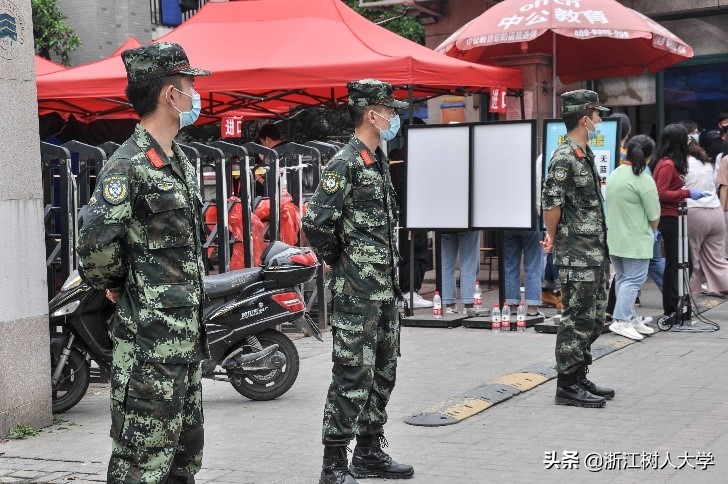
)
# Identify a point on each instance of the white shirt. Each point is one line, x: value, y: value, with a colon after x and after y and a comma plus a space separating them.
x: 701, y: 176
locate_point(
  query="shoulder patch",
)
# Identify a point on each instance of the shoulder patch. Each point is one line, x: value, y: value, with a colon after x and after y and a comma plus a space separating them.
x: 115, y: 188
x: 560, y: 174
x: 331, y: 182
x: 154, y: 158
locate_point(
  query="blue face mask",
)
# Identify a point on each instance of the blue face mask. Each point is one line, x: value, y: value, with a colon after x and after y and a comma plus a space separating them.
x: 188, y: 118
x: 593, y: 134
x: 388, y: 134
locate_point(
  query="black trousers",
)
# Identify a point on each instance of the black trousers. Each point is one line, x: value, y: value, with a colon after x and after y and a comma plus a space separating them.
x: 669, y: 229
x: 421, y: 259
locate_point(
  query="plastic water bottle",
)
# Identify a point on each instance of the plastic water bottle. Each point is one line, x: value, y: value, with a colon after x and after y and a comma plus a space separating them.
x: 506, y: 317
x: 477, y: 296
x: 495, y: 319
x: 521, y: 317
x: 437, y: 306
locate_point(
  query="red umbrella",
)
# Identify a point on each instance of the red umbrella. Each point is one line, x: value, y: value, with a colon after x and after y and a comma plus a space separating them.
x: 589, y: 39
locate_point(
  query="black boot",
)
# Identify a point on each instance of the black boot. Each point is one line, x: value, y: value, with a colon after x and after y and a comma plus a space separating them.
x: 591, y: 387
x: 336, y: 466
x: 570, y: 392
x: 370, y: 460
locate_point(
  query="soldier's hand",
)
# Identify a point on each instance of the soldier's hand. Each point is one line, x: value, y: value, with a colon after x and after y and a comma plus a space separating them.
x: 112, y: 296
x: 547, y: 244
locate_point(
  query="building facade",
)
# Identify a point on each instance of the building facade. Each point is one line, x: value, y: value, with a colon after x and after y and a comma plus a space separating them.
x: 694, y: 89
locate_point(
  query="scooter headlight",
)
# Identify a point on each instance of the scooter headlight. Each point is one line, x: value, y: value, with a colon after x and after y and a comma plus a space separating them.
x: 73, y: 280
x: 67, y: 309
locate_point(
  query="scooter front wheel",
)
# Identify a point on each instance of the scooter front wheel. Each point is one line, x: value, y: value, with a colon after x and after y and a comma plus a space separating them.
x: 267, y: 384
x: 72, y: 385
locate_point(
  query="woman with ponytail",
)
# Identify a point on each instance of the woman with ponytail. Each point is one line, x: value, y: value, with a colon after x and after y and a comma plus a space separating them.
x: 633, y: 212
x: 669, y: 167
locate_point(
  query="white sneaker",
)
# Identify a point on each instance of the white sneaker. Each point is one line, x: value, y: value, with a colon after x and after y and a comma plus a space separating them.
x: 625, y: 329
x: 421, y: 302
x: 645, y: 319
x: 418, y: 301
x: 641, y: 327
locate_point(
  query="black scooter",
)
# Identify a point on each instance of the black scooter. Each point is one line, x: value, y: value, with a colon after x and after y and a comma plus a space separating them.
x: 241, y: 311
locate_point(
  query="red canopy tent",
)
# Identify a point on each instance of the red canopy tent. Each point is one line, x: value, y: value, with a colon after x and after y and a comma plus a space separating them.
x: 273, y: 54
x: 44, y: 66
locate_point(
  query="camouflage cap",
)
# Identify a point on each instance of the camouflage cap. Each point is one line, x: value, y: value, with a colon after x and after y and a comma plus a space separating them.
x: 580, y: 99
x: 157, y: 60
x: 371, y: 92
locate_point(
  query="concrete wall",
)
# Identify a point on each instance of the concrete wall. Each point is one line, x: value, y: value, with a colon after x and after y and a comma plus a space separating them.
x: 25, y: 391
x: 104, y: 25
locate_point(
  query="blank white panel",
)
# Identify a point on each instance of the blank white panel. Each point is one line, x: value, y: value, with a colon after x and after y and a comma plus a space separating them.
x: 438, y: 175
x: 502, y: 175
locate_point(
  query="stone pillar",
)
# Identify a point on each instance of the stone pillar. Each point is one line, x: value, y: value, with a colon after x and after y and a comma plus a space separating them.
x: 25, y: 390
x: 537, y: 79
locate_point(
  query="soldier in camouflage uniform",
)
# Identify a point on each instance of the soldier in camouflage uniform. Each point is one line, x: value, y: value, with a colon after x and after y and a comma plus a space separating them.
x: 141, y: 242
x: 350, y: 223
x: 574, y: 217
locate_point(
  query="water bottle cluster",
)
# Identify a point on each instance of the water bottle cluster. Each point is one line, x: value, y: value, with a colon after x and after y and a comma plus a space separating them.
x: 501, y: 318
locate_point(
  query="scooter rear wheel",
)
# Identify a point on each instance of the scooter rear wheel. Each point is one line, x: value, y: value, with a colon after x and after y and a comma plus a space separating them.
x: 267, y: 384
x: 73, y: 383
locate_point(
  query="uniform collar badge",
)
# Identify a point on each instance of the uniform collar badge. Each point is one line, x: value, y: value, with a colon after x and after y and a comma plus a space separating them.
x: 365, y: 156
x: 154, y: 158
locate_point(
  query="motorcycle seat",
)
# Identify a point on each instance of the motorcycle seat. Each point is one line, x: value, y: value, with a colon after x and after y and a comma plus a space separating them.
x: 232, y: 282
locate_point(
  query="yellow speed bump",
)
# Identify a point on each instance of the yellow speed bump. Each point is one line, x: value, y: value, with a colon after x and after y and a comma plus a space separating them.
x: 522, y: 381
x: 467, y: 407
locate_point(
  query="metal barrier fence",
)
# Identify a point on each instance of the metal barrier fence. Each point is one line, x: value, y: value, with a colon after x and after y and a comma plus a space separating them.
x: 69, y: 179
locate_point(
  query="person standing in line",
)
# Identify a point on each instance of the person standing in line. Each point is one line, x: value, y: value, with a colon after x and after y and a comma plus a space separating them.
x: 526, y: 243
x: 420, y: 254
x: 721, y: 184
x: 669, y: 167
x: 633, y: 212
x: 574, y: 217
x: 140, y: 240
x: 656, y: 267
x: 466, y: 244
x: 350, y: 224
x: 706, y: 223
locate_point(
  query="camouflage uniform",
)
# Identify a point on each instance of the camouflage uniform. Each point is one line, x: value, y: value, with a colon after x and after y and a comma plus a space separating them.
x: 350, y: 223
x: 141, y: 235
x: 580, y: 248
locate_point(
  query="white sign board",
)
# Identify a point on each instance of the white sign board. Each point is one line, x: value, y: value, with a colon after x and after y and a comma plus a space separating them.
x: 438, y: 177
x: 504, y: 175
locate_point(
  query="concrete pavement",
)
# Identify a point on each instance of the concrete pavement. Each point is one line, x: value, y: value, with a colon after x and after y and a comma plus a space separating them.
x: 671, y: 398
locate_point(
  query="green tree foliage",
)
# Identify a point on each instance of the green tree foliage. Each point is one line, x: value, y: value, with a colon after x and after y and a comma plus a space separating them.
x: 51, y: 33
x: 404, y: 26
